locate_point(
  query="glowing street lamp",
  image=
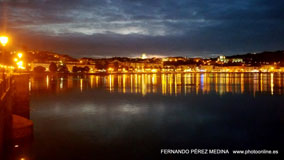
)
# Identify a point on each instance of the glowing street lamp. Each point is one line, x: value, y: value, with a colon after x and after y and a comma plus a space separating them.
x: 4, y: 40
x: 144, y: 56
x: 19, y: 61
x: 20, y: 55
x: 20, y: 65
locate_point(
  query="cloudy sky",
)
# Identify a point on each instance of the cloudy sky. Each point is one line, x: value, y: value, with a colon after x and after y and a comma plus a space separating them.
x: 157, y: 27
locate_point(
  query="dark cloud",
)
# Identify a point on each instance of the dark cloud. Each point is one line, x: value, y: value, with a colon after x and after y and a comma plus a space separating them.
x: 131, y: 27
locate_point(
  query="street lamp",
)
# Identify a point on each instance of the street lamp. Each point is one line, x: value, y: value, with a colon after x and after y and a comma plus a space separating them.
x: 20, y: 55
x: 4, y: 40
x: 19, y: 61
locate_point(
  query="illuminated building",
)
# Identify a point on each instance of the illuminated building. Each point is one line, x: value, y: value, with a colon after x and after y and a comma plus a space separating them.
x: 144, y: 56
x: 237, y: 60
x: 222, y: 59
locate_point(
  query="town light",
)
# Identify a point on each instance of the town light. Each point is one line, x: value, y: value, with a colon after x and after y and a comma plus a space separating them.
x: 124, y: 70
x: 110, y: 69
x: 154, y: 70
x: 20, y: 55
x: 144, y: 56
x: 20, y: 65
x: 19, y: 61
x: 4, y: 40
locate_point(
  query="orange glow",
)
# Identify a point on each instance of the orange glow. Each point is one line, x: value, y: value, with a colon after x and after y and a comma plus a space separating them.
x: 154, y: 70
x: 144, y: 56
x: 272, y: 83
x: 20, y: 65
x: 20, y: 55
x: 47, y: 82
x: 124, y: 70
x: 178, y: 84
x: 110, y: 69
x: 4, y: 40
x: 81, y: 84
x: 187, y: 70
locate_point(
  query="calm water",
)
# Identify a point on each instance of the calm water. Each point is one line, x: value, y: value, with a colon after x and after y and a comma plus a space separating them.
x: 135, y: 115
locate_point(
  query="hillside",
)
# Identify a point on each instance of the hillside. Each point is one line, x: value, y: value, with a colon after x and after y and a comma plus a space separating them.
x: 263, y: 57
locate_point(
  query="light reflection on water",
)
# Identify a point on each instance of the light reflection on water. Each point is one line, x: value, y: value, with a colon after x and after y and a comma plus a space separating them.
x: 170, y: 84
x: 102, y: 116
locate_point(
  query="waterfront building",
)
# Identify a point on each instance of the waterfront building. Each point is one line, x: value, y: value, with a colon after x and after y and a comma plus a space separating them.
x: 222, y: 60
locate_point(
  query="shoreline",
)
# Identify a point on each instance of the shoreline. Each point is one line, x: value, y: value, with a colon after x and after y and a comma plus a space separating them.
x: 49, y: 73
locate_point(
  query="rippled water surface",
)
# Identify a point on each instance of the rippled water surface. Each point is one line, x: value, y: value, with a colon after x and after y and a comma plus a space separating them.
x: 135, y: 115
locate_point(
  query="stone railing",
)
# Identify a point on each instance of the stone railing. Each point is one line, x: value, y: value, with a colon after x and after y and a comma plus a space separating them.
x: 5, y: 85
x: 14, y: 111
x: 5, y: 106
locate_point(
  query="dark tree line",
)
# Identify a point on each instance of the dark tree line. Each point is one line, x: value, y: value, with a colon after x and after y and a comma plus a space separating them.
x: 61, y: 69
x: 76, y: 69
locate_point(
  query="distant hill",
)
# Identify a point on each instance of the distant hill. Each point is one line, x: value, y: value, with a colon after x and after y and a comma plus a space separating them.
x: 43, y: 56
x: 275, y: 56
x: 263, y: 58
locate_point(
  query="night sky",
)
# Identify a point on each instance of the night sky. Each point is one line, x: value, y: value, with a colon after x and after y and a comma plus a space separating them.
x: 158, y: 27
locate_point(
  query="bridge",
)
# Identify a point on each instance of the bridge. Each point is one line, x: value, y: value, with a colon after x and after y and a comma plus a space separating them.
x: 69, y: 66
x: 14, y: 110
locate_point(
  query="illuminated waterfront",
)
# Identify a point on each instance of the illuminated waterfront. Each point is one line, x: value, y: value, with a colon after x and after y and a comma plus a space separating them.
x: 135, y: 115
x: 168, y: 84
x: 162, y: 79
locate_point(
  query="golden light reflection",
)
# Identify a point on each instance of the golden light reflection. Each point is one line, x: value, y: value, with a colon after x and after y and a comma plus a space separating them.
x: 111, y: 82
x: 61, y: 83
x: 272, y: 83
x: 143, y: 85
x: 136, y: 83
x: 47, y: 81
x: 124, y: 83
x: 171, y: 84
x: 242, y: 83
x: 30, y: 84
x: 154, y: 83
x: 164, y: 84
x: 131, y: 83
x: 119, y: 83
x: 81, y: 84
x: 92, y: 81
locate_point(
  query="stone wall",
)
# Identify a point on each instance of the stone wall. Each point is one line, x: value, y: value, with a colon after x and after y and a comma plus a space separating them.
x: 15, y: 112
x: 5, y: 117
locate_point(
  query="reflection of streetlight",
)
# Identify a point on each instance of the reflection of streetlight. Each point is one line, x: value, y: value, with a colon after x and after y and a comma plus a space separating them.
x: 4, y: 40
